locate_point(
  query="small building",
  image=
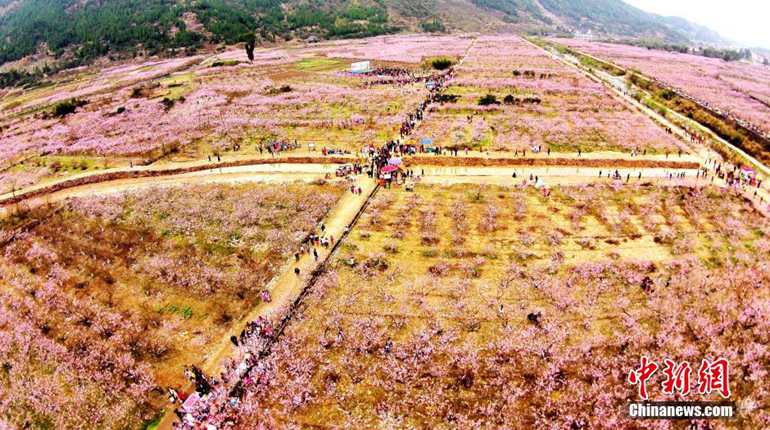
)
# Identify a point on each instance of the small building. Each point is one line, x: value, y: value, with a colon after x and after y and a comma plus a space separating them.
x: 360, y: 67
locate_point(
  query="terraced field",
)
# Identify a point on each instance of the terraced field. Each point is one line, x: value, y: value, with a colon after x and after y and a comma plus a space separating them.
x: 106, y: 299
x: 483, y: 306
x: 511, y: 96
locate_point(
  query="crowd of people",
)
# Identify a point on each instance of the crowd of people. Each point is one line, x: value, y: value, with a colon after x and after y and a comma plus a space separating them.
x: 277, y: 146
x: 213, y: 399
x: 209, y: 405
x: 389, y: 76
x: 392, y: 76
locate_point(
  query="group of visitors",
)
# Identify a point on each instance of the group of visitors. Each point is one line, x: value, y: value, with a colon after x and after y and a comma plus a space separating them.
x: 277, y: 146
x: 390, y: 76
x: 209, y: 406
x: 311, y: 244
x: 743, y: 181
x: 438, y: 84
x: 333, y: 151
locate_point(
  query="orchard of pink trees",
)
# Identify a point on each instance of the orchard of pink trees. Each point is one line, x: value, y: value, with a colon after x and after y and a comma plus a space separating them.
x: 549, y: 105
x: 162, y: 267
x: 105, y: 299
x: 737, y: 88
x: 498, y: 332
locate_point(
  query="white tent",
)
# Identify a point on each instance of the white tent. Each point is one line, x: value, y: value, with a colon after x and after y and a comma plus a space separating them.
x: 360, y: 67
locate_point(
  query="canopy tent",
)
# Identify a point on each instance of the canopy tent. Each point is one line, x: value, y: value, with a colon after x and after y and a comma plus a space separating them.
x: 360, y: 67
x: 389, y: 169
x: 425, y: 141
x: 747, y: 172
x: 395, y: 161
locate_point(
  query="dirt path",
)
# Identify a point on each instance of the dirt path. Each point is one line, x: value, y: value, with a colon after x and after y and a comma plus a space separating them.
x: 286, y: 287
x: 308, y: 172
x: 760, y: 197
x: 158, y: 171
x: 286, y: 173
x: 120, y: 179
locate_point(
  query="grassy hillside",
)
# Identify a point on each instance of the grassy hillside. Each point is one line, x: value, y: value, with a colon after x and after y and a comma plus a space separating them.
x: 85, y: 30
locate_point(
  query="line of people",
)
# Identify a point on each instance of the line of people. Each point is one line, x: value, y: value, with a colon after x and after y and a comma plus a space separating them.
x: 214, y: 397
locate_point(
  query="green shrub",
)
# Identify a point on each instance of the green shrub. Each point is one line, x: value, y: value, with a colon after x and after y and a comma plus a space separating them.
x: 442, y: 63
x: 489, y: 99
x: 433, y: 26
x: 66, y: 107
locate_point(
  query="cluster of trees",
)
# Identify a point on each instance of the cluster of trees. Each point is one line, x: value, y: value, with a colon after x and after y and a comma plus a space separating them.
x: 435, y: 25
x: 229, y: 22
x: 66, y: 107
x: 441, y: 63
x: 706, y: 51
x: 491, y: 99
x: 91, y: 29
x: 488, y: 100
x: 153, y: 27
x: 15, y: 77
x: 725, y: 54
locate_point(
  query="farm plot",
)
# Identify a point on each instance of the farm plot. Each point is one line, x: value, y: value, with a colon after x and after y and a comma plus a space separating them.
x: 491, y: 307
x: 181, y: 110
x: 735, y: 88
x: 511, y: 96
x: 104, y: 300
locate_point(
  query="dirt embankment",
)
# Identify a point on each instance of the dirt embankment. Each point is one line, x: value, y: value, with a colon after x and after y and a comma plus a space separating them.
x: 131, y: 174
x: 544, y: 162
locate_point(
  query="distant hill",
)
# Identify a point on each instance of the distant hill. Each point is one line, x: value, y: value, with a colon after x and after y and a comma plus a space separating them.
x: 598, y: 18
x: 72, y: 32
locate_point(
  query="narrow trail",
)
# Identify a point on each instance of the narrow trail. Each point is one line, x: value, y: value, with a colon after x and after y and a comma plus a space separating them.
x: 287, y: 288
x: 702, y: 152
x: 166, y: 169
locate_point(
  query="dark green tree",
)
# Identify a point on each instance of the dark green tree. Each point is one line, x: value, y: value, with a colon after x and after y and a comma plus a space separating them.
x: 250, y: 42
x: 488, y: 99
